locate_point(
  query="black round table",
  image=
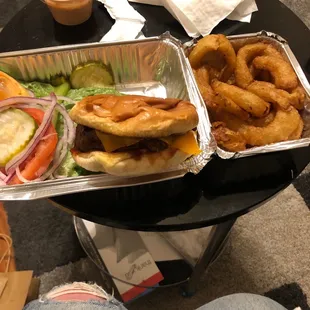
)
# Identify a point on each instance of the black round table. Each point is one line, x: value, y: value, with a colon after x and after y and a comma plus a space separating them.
x: 225, y: 189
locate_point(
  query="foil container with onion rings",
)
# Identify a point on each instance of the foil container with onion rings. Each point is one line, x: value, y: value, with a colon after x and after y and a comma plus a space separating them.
x: 283, y: 47
x: 152, y: 67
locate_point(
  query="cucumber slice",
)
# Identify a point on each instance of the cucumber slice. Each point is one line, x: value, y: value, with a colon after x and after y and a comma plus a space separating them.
x: 62, y: 89
x: 16, y: 130
x: 92, y: 74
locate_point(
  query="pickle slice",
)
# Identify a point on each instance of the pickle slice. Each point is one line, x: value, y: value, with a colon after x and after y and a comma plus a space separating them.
x: 16, y: 130
x: 62, y: 89
x: 93, y: 74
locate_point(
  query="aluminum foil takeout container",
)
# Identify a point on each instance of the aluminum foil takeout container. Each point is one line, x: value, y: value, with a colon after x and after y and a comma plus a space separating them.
x: 282, y: 46
x: 152, y: 67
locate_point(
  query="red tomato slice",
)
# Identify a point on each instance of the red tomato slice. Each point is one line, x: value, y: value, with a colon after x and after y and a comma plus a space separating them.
x: 41, y: 157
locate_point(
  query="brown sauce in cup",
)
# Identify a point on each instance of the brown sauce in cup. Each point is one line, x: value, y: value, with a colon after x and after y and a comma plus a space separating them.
x: 70, y: 12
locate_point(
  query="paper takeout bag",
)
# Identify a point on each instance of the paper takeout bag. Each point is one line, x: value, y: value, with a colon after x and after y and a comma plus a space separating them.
x: 14, y: 287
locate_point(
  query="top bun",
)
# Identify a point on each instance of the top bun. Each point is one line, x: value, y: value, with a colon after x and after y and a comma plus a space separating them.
x: 135, y: 116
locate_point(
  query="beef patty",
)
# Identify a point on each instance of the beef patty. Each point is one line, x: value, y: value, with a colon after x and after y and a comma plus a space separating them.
x: 86, y: 140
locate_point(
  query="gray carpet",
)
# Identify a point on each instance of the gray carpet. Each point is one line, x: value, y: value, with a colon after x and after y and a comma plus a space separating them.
x: 268, y: 252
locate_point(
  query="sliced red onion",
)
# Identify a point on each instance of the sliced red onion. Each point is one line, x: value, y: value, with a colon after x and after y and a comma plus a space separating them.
x: 55, y: 165
x: 9, y: 177
x: 2, y: 176
x: 30, y: 105
x: 58, y: 176
x: 17, y: 104
x: 68, y: 123
x: 63, y: 98
x: 21, y: 99
x: 60, y: 154
x: 21, y: 157
x: 31, y: 93
x: 48, y: 136
x: 2, y: 182
x: 58, y: 158
x: 22, y: 106
x: 12, y: 168
x: 21, y: 178
x: 61, y: 144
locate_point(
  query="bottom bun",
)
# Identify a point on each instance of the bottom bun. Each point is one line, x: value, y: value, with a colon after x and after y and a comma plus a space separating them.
x: 129, y: 164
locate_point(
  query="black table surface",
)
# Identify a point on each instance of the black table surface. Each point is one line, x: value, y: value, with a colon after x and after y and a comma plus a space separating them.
x: 225, y: 189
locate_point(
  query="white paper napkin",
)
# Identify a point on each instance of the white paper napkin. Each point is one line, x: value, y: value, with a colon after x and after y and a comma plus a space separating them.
x: 128, y: 22
x: 199, y: 17
x: 243, y: 12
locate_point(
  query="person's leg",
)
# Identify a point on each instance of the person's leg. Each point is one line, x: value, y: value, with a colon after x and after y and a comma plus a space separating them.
x: 76, y: 296
x: 242, y: 301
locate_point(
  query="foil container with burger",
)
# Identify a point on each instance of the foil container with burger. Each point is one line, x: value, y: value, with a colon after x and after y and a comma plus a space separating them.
x: 95, y: 116
x: 107, y: 115
x: 255, y: 91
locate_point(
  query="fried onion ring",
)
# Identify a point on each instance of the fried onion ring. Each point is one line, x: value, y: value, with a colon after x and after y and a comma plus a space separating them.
x: 228, y: 139
x: 270, y: 93
x: 203, y: 53
x: 216, y: 102
x: 234, y: 123
x: 231, y: 121
x: 260, y: 75
x: 244, y: 99
x: 298, y: 132
x: 202, y: 79
x: 253, y: 98
x: 297, y: 98
x: 264, y: 121
x: 282, y: 98
x: 284, y: 126
x: 281, y: 71
x: 245, y: 56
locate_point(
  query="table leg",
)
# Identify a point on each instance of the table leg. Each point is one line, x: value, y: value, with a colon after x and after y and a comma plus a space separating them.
x: 216, y: 238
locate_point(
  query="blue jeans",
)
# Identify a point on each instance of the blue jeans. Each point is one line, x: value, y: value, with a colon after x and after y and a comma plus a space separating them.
x: 71, y: 300
x: 75, y: 305
x: 242, y: 302
x: 233, y: 302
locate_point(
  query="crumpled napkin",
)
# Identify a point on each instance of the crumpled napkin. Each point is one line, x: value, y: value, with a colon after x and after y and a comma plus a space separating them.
x: 128, y: 22
x: 199, y: 17
x: 243, y: 12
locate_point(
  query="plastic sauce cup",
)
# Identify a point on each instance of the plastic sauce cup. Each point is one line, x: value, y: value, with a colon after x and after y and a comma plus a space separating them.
x: 70, y: 12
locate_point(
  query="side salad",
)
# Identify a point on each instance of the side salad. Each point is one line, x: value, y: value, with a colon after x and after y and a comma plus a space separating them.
x: 36, y: 132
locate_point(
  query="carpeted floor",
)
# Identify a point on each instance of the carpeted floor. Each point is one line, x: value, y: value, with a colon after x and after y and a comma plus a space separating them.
x: 268, y: 251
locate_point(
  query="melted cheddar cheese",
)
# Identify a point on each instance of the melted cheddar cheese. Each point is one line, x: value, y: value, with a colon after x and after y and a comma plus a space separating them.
x: 186, y: 143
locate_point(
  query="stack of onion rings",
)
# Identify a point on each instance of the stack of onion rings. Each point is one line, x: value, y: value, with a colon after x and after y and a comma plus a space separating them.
x: 253, y: 96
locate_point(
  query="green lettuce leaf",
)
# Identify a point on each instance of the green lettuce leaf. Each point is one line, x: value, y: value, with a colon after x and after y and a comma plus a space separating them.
x: 80, y: 93
x: 39, y: 89
x: 70, y: 168
x: 67, y: 167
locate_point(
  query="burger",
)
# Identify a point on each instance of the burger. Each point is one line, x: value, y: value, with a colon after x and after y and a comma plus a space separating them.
x: 133, y: 135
